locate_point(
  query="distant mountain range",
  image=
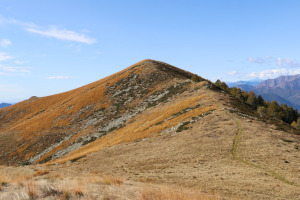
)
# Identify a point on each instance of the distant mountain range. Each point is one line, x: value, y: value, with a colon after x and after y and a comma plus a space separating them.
x: 2, y: 105
x: 284, y: 89
x: 253, y: 82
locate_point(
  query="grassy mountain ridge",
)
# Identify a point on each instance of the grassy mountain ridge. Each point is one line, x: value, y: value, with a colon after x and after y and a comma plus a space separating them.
x: 152, y: 123
x: 77, y: 115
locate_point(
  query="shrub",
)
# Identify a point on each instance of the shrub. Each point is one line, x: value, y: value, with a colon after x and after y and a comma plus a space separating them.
x: 196, y: 78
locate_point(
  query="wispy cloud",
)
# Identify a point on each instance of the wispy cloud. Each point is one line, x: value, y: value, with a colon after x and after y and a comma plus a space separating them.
x: 282, y: 62
x: 4, y: 56
x: 63, y: 34
x: 259, y: 60
x: 15, y: 69
x: 274, y: 73
x: 287, y: 66
x: 287, y: 62
x: 51, y: 31
x: 5, y: 43
x: 233, y: 73
x: 59, y: 77
x: 18, y: 62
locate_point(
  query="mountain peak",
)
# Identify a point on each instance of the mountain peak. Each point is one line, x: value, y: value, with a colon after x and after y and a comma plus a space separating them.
x: 90, y: 111
x: 149, y: 65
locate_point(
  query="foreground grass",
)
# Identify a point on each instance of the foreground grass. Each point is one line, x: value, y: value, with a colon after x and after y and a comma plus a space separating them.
x: 28, y: 183
x: 166, y: 192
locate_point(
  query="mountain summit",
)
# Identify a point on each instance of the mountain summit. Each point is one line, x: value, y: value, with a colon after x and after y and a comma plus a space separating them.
x: 40, y: 129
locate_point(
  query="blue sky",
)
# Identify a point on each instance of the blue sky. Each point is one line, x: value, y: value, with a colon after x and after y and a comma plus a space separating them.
x: 48, y: 47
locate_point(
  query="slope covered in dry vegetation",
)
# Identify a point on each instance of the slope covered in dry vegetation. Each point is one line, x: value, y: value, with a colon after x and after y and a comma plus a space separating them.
x: 153, y: 123
x: 41, y: 129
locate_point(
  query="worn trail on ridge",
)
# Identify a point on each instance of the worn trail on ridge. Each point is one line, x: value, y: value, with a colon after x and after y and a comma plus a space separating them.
x: 234, y: 149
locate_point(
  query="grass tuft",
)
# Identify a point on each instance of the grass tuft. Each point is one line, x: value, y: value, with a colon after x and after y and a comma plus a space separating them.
x: 109, y: 180
x: 32, y: 190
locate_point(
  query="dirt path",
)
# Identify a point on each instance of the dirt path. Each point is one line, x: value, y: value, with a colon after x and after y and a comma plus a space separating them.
x: 236, y: 157
x: 235, y: 145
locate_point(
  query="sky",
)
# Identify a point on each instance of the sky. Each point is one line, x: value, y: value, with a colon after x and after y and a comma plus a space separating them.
x: 52, y: 46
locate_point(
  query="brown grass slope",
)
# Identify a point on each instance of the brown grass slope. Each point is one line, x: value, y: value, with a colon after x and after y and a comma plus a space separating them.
x: 84, y: 114
x: 151, y: 123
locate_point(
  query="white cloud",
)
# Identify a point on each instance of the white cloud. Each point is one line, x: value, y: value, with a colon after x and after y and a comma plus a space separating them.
x: 232, y: 73
x: 274, y: 73
x: 287, y: 62
x: 59, y: 77
x: 63, y: 35
x: 282, y: 62
x: 18, y: 62
x: 5, y: 43
x: 260, y: 60
x: 4, y: 56
x: 15, y: 69
x: 256, y: 60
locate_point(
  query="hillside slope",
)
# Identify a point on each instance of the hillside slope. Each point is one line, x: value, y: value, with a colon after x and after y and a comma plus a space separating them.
x: 49, y: 127
x: 152, y: 123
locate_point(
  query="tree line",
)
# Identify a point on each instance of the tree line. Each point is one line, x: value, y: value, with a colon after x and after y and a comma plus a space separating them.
x: 264, y: 108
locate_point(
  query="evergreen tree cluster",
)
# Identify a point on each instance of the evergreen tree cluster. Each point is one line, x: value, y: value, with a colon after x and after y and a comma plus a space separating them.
x: 196, y: 78
x: 263, y: 108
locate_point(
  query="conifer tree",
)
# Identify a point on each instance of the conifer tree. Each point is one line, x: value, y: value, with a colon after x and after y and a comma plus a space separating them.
x: 252, y: 100
x: 260, y: 101
x: 273, y: 109
x: 218, y: 83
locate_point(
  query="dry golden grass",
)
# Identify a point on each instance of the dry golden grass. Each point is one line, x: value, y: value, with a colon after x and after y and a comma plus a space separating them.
x: 34, y: 118
x: 41, y: 173
x: 104, y: 180
x: 109, y: 180
x: 42, y: 113
x: 143, y: 126
x: 151, y: 192
x: 4, y: 180
x: 32, y: 190
x: 85, y: 186
x: 78, y: 190
x: 55, y: 176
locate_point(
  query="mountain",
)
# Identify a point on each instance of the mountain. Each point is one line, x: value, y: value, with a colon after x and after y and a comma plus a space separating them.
x: 253, y: 82
x: 2, y: 105
x: 245, y: 85
x: 149, y: 124
x: 284, y: 89
x: 85, y: 114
